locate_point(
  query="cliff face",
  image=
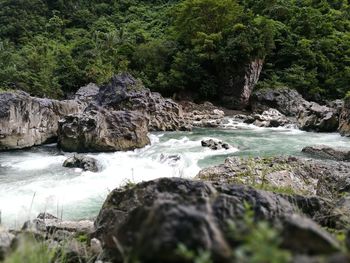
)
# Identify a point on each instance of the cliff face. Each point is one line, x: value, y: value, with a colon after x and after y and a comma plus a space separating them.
x: 240, y: 84
x: 344, y: 119
x: 26, y: 121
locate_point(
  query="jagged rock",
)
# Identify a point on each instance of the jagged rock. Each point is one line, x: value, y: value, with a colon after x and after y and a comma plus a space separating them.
x: 318, y: 118
x: 269, y: 118
x: 282, y: 174
x: 126, y: 93
x: 87, y: 93
x: 215, y: 145
x: 47, y: 223
x: 103, y: 131
x: 151, y: 219
x: 337, y: 105
x: 239, y: 84
x: 327, y: 152
x: 315, y: 186
x: 6, y: 239
x: 202, y: 115
x: 287, y: 101
x: 344, y: 119
x: 27, y: 121
x: 302, y: 235
x: 342, y: 208
x: 83, y: 162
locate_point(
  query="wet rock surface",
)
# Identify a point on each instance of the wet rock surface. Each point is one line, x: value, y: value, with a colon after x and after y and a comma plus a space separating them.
x: 215, y: 145
x: 103, y: 131
x: 83, y: 162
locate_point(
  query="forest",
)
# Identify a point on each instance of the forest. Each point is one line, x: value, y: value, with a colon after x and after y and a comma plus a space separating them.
x: 50, y: 48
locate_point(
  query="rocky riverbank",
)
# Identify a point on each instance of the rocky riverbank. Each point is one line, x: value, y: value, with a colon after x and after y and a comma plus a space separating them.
x: 297, y: 207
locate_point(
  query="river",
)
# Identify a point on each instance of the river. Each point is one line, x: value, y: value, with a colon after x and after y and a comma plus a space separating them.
x: 33, y: 180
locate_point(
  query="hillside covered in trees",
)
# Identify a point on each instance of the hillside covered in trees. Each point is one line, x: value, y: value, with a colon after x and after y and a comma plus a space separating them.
x: 51, y: 48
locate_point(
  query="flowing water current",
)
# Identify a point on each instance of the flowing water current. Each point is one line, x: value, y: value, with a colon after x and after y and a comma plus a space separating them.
x: 33, y: 181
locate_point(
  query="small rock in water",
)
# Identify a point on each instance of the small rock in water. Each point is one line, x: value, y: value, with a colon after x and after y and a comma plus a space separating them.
x: 82, y: 162
x: 170, y: 158
x: 215, y: 145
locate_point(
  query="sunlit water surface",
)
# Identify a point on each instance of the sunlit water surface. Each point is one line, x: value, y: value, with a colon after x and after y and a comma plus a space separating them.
x: 33, y: 181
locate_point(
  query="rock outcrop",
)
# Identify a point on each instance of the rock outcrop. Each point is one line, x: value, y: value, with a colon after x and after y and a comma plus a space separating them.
x: 204, y: 115
x: 344, y: 119
x: 310, y: 115
x: 315, y: 186
x: 239, y: 84
x: 296, y: 175
x: 327, y: 152
x: 6, y: 239
x: 125, y: 93
x: 318, y: 118
x: 71, y: 239
x: 282, y: 174
x: 27, y: 121
x: 269, y: 118
x: 287, y: 101
x: 151, y: 219
x: 118, y: 117
x: 83, y: 162
x: 103, y: 131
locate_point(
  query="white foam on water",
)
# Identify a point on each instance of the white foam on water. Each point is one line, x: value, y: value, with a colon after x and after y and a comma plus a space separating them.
x: 71, y: 190
x: 39, y: 163
x: 79, y: 194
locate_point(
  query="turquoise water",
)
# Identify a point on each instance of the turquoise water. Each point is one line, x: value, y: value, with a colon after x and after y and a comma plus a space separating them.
x: 34, y: 180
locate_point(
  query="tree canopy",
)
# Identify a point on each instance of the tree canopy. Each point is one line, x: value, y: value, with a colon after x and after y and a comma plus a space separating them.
x: 51, y: 48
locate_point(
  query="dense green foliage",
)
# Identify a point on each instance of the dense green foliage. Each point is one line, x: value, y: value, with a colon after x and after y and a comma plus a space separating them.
x: 49, y: 48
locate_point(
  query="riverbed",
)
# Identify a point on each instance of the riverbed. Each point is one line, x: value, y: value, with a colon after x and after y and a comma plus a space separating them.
x: 33, y: 180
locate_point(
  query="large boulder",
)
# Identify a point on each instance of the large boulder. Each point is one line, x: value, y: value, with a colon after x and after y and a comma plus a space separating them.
x: 124, y: 92
x: 323, y: 151
x: 27, y: 121
x: 287, y: 101
x: 318, y: 118
x: 239, y: 84
x: 344, y: 119
x: 152, y: 219
x: 118, y: 117
x: 100, y: 130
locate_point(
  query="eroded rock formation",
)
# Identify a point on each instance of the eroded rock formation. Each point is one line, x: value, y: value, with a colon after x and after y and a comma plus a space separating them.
x: 103, y: 131
x: 27, y: 121
x: 151, y: 219
x: 239, y: 85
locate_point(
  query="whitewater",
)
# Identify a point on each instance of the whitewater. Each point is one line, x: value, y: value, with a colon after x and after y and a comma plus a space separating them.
x: 34, y: 181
